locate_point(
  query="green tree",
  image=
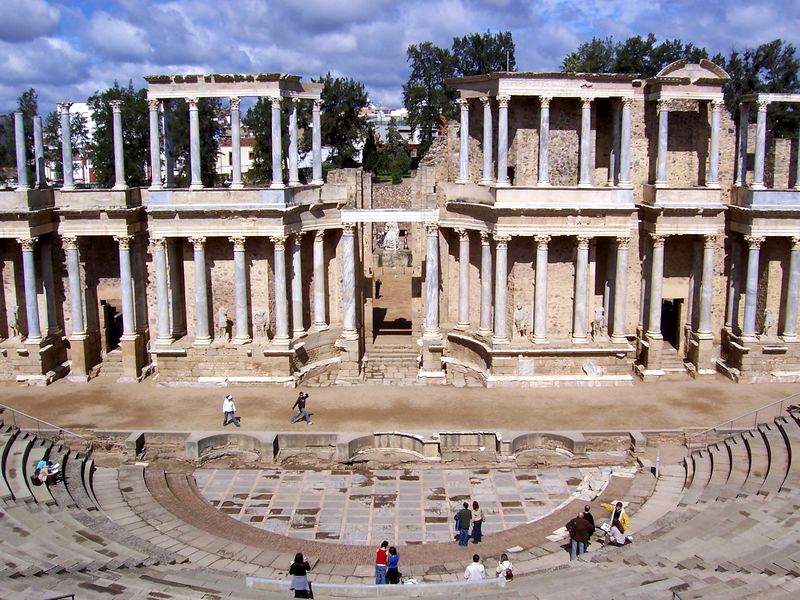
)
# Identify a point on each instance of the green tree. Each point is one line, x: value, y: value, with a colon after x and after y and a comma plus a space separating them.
x: 7, y: 159
x: 342, y: 123
x: 28, y: 105
x: 477, y: 54
x: 211, y: 115
x: 51, y: 134
x: 369, y: 155
x: 258, y: 120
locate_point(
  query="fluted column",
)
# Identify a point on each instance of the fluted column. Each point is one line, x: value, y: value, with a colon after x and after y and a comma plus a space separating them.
x: 281, y: 302
x: 625, y: 144
x: 741, y: 149
x: 38, y: 151
x: 194, y: 144
x: 751, y: 286
x: 488, y: 171
x: 316, y: 143
x: 613, y: 154
x: 236, y: 145
x: 73, y: 261
x: 540, y: 291
x: 349, y: 330
x: 119, y: 155
x: 656, y: 280
x: 463, y: 153
x: 320, y: 318
x: 202, y: 334
x: 501, y: 289
x: 277, y: 149
x: 240, y: 290
x: 544, y: 140
x: 169, y: 159
x: 713, y: 159
x: 21, y: 151
x: 706, y: 286
x: 761, y: 145
x: 620, y: 291
x: 789, y: 333
x: 66, y: 145
x: 585, y: 179
x: 463, y: 278
x: 294, y: 177
x: 502, y: 140
x: 485, y: 327
x: 163, y: 326
x: 126, y: 286
x: 31, y: 298
x: 155, y: 146
x: 432, y: 282
x: 663, y: 133
x: 297, y: 286
x: 581, y: 291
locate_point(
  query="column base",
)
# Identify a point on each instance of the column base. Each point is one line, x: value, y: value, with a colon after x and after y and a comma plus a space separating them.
x: 713, y: 186
x: 432, y: 334
x: 483, y: 332
x: 22, y: 188
x: 584, y: 184
x: 701, y: 348
x: 196, y: 186
x: 237, y: 186
x: 500, y: 341
x: 757, y: 186
x: 618, y: 339
x: 67, y: 188
x: 462, y: 325
x: 350, y: 334
x: 543, y: 184
x: 316, y: 182
x: 163, y: 341
x: 240, y: 340
x: 460, y: 180
x: 294, y: 183
x: 299, y: 333
x: 321, y: 326
x: 660, y: 184
x: 203, y: 341
x: 503, y: 183
x: 791, y: 337
x: 537, y: 339
x: 580, y: 340
x: 153, y: 188
x: 276, y: 186
x: 486, y: 181
x: 120, y: 188
x: 650, y: 357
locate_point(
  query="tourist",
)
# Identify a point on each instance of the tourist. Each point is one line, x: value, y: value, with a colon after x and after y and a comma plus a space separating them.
x: 43, y: 471
x: 300, y: 405
x: 615, y: 530
x: 381, y: 558
x: 477, y: 522
x: 475, y: 571
x: 299, y: 572
x: 392, y: 572
x: 463, y: 519
x: 504, y: 568
x: 587, y: 514
x: 580, y: 530
x: 229, y: 412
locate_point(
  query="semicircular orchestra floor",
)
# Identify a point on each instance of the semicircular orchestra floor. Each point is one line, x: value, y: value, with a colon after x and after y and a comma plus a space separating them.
x: 404, y: 506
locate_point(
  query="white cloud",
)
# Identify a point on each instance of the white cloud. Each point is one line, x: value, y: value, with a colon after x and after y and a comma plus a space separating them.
x: 25, y: 20
x: 117, y: 38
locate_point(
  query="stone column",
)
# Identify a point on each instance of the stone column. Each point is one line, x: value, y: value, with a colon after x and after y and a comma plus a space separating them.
x: 663, y: 134
x: 706, y: 287
x: 544, y: 140
x: 761, y: 144
x: 277, y: 149
x: 463, y: 154
x: 502, y: 140
x: 320, y: 318
x: 500, y: 289
x: 581, y: 291
x: 485, y: 328
x: 585, y: 179
x: 488, y: 171
x: 613, y: 155
x: 66, y: 145
x: 294, y: 177
x: 31, y: 299
x: 155, y: 146
x: 202, y: 334
x: 236, y: 145
x: 119, y: 155
x: 797, y: 163
x: 540, y: 291
x: 126, y: 285
x: 169, y: 159
x: 194, y: 144
x: 38, y: 151
x: 349, y: 331
x: 316, y: 143
x: 789, y: 333
x: 21, y: 151
x: 463, y: 278
x: 731, y: 306
x: 281, y: 302
x: 432, y: 282
x: 240, y: 290
x: 618, y: 323
x: 163, y: 326
x: 656, y: 280
x: 73, y: 261
x: 712, y: 180
x: 625, y: 144
x: 741, y: 149
x: 751, y: 286
x: 297, y: 286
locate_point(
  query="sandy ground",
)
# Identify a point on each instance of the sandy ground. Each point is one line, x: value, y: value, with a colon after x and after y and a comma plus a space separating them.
x: 105, y: 404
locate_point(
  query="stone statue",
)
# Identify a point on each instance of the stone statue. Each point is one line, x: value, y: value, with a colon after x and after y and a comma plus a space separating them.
x: 769, y: 323
x: 599, y: 322
x: 221, y: 324
x: 390, y: 238
x: 261, y: 323
x: 12, y: 314
x: 521, y: 321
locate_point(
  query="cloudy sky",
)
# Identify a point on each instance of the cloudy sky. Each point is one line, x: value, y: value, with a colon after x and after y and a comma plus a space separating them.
x: 69, y: 49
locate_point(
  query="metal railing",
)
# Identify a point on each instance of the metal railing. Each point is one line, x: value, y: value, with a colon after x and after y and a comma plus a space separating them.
x: 12, y: 416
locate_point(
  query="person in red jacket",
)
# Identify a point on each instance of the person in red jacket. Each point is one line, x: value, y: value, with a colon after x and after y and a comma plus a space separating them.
x: 381, y: 558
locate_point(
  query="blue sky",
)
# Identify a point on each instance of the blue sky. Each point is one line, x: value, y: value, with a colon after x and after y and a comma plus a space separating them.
x: 69, y: 49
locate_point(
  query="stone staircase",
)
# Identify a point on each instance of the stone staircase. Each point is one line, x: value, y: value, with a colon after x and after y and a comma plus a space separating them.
x: 391, y: 365
x: 672, y: 364
x: 112, y: 363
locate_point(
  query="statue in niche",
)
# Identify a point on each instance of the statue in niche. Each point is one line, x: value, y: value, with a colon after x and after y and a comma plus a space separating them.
x: 599, y: 322
x: 390, y: 238
x: 521, y: 321
x: 768, y: 325
x: 221, y: 325
x: 12, y: 314
x: 261, y: 323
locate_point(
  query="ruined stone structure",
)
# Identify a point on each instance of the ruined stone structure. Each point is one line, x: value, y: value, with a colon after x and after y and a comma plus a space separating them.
x: 573, y: 229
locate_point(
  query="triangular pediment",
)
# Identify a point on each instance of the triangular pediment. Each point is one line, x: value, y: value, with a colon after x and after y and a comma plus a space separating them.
x: 705, y: 69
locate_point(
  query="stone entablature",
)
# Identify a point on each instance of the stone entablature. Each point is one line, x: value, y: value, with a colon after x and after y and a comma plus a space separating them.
x: 549, y: 85
x: 533, y: 198
x: 227, y: 85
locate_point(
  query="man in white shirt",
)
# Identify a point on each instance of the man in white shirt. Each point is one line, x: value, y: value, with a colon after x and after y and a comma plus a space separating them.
x: 229, y: 411
x: 475, y: 571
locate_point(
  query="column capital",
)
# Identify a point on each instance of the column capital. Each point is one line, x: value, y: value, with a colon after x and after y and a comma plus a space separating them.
x: 319, y: 235
x: 626, y: 102
x: 63, y: 107
x: 152, y: 104
x: 542, y: 240
x: 664, y: 104
x: 278, y: 240
x: 486, y: 100
x: 192, y: 103
x: 294, y: 100
x: 235, y: 101
x: 317, y: 104
x: 116, y: 105
x: 276, y: 102
x: 124, y: 241
x: 501, y: 240
x: 658, y: 239
x: 716, y: 105
x: 462, y: 233
x: 503, y: 100
x: 754, y: 241
x: 583, y: 241
x: 297, y: 238
x: 586, y: 102
x: 157, y: 243
x: 463, y: 103
x: 27, y: 243
x: 432, y: 229
x: 709, y: 240
x: 762, y: 105
x: 198, y: 241
x: 70, y: 242
x: 485, y: 238
x: 238, y: 242
x: 544, y: 101
x: 348, y: 228
x: 623, y: 242
x: 795, y: 242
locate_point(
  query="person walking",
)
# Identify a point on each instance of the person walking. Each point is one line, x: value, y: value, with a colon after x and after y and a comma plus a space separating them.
x: 381, y: 560
x: 299, y: 572
x: 477, y: 523
x: 579, y: 532
x: 392, y: 564
x: 475, y: 571
x: 587, y: 514
x: 229, y: 412
x: 463, y: 519
x: 504, y: 568
x: 300, y: 405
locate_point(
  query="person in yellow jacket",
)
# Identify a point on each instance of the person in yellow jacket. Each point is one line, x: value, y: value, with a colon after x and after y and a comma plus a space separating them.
x: 620, y: 521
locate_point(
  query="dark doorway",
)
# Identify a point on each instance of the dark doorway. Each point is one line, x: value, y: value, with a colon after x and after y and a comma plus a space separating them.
x: 391, y: 309
x: 671, y: 320
x: 112, y: 325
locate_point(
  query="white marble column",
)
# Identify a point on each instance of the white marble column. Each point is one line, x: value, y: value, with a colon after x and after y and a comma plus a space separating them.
x: 21, y: 151
x: 38, y: 151
x: 488, y: 170
x: 281, y: 301
x: 751, y: 286
x: 194, y: 144
x: 48, y: 286
x: 320, y: 318
x: 297, y: 286
x: 656, y: 280
x: 73, y: 261
x: 202, y: 334
x: 761, y: 145
x: 585, y: 178
x: 66, y: 145
x: 432, y: 282
x: 544, y: 140
x: 316, y: 143
x: 662, y: 107
x: 349, y: 331
x: 463, y: 278
x: 294, y: 177
x: 625, y: 144
x: 236, y: 145
x: 706, y: 287
x: 741, y: 149
x: 163, y: 326
x: 119, y: 153
x: 485, y: 328
x: 732, y: 304
x: 613, y: 154
x: 240, y: 290
x: 712, y: 180
x: 581, y: 291
x: 502, y: 140
x: 501, y: 289
x: 620, y: 291
x: 277, y: 149
x: 126, y: 286
x: 155, y: 146
x: 31, y: 298
x: 540, y: 291
x: 789, y: 332
x: 463, y: 153
x: 169, y: 159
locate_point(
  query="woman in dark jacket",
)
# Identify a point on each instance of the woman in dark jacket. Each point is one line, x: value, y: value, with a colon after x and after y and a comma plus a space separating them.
x: 299, y: 572
x: 392, y: 572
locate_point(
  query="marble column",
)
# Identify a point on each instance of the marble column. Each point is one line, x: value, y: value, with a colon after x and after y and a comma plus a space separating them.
x: 540, y: 291
x: 38, y: 152
x: 544, y: 140
x: 277, y: 148
x: 656, y: 280
x: 31, y: 298
x: 463, y: 153
x: 789, y: 332
x: 316, y: 143
x: 242, y: 335
x: 349, y: 331
x: 732, y: 304
x: 488, y: 171
x: 663, y: 134
x: 502, y: 140
x: 66, y: 145
x: 73, y: 261
x: 585, y: 178
x: 126, y: 286
x: 581, y: 291
x: 751, y: 286
x: 294, y: 177
x: 625, y: 144
x: 163, y: 326
x: 761, y: 144
x: 119, y: 155
x: 202, y: 333
x: 613, y: 154
x: 741, y: 148
x: 618, y: 323
x: 432, y: 282
x: 236, y: 145
x: 21, y: 151
x: 194, y: 144
x: 281, y: 301
x: 501, y: 289
x: 712, y: 180
x: 463, y: 278
x: 320, y: 318
x: 155, y: 146
x: 169, y: 159
x: 485, y: 328
x: 706, y: 287
x: 297, y: 286
x: 48, y: 286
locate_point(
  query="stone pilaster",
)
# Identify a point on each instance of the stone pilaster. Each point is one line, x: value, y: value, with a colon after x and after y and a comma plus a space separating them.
x: 34, y: 333
x: 789, y: 332
x: 625, y: 144
x: 701, y: 343
x: 540, y: 291
x: 656, y: 280
x: 712, y: 180
x: 761, y: 145
x: 119, y: 154
x: 131, y: 342
x: 501, y: 289
x: 158, y: 248
x: 349, y: 330
x: 613, y: 154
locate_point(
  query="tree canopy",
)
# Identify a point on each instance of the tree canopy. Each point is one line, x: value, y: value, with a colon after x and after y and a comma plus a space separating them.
x: 342, y: 123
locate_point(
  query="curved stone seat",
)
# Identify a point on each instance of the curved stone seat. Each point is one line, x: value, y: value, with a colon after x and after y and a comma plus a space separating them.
x: 759, y: 462
x: 791, y: 431
x: 720, y: 471
x: 740, y: 467
x: 7, y: 435
x: 701, y: 461
x: 778, y: 458
x: 14, y: 467
x: 58, y: 488
x: 41, y: 450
